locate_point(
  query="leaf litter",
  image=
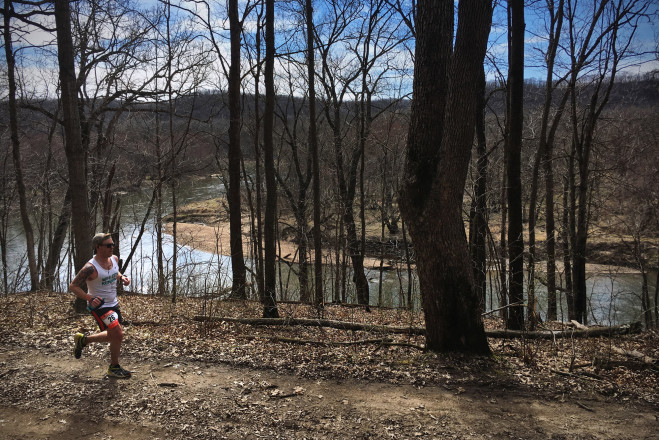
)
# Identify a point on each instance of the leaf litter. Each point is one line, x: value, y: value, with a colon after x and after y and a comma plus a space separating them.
x: 230, y: 380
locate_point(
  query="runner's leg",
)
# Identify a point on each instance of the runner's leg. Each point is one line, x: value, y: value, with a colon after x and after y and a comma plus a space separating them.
x: 115, y: 336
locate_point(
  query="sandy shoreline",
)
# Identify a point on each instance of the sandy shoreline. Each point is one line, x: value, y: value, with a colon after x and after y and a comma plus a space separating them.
x: 216, y: 240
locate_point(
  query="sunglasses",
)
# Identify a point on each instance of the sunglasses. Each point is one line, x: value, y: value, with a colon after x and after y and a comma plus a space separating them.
x: 108, y: 245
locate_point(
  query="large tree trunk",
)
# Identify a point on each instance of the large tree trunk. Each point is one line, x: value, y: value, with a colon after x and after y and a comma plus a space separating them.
x: 75, y: 154
x: 239, y: 271
x: 439, y: 144
x: 270, y: 224
x: 16, y: 149
x: 513, y: 165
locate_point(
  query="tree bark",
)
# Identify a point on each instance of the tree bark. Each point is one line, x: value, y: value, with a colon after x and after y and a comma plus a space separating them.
x: 513, y: 165
x: 270, y: 224
x: 438, y: 156
x: 75, y: 154
x: 566, y: 238
x: 239, y: 271
x: 478, y: 226
x: 313, y: 146
x: 48, y: 277
x: 547, y: 144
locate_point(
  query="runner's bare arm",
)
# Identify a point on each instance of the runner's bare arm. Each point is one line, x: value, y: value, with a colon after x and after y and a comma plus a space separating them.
x: 80, y: 280
x: 120, y: 277
x: 123, y: 279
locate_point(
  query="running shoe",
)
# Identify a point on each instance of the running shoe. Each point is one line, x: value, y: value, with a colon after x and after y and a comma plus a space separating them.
x: 118, y: 372
x: 79, y: 344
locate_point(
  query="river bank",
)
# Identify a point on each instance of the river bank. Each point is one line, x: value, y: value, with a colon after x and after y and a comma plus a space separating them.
x: 215, y: 239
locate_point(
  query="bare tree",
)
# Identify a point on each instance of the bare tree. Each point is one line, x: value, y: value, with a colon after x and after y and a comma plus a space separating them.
x: 313, y: 147
x: 439, y: 145
x: 270, y: 225
x: 597, y: 48
x: 549, y: 124
x: 8, y: 14
x: 337, y: 78
x: 239, y: 270
x: 75, y: 153
x: 513, y: 164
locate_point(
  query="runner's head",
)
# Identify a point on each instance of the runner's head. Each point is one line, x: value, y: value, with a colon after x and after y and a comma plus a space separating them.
x: 99, y: 240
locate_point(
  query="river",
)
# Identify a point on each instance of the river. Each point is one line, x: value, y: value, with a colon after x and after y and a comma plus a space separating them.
x: 614, y: 295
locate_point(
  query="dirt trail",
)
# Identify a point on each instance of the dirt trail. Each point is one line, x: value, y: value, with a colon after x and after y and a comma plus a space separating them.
x: 49, y: 394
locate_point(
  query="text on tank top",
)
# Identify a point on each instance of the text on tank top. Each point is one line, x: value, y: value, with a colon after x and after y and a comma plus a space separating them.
x: 105, y: 285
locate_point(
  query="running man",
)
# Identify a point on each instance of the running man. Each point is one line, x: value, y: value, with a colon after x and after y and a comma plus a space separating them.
x: 101, y: 274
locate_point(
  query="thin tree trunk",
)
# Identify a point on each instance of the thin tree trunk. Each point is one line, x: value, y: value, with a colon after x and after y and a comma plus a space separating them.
x: 48, y: 277
x: 170, y: 106
x: 160, y: 264
x: 16, y: 148
x: 174, y: 234
x: 533, y: 208
x: 383, y: 223
x: 303, y: 246
x: 478, y: 227
x: 550, y: 242
x: 547, y: 144
x: 503, y: 243
x: 656, y: 299
x: 364, y: 132
x: 566, y: 239
x: 313, y: 146
x: 239, y: 270
x: 258, y: 242
x: 516, y: 121
x: 270, y: 226
x: 408, y: 264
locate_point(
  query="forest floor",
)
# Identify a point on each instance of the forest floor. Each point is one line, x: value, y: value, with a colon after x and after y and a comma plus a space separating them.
x: 195, y: 380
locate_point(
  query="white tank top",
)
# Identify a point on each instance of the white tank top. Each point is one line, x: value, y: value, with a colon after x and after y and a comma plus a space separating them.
x: 105, y: 285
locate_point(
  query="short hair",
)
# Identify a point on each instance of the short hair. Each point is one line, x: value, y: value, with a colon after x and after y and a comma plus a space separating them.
x: 100, y: 238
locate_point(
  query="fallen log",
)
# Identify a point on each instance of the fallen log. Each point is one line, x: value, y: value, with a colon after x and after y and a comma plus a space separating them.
x: 635, y: 354
x: 589, y: 332
x: 355, y: 326
x: 635, y: 360
x: 328, y: 323
x: 605, y: 363
x: 380, y: 342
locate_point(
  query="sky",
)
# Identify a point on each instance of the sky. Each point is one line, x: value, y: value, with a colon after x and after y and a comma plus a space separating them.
x: 646, y: 44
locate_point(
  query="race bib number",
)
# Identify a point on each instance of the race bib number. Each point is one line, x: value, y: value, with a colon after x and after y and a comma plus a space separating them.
x: 110, y: 319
